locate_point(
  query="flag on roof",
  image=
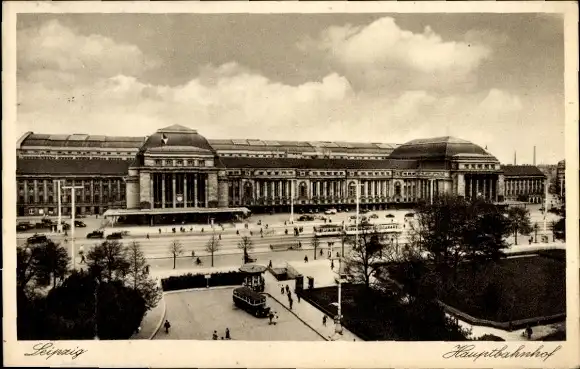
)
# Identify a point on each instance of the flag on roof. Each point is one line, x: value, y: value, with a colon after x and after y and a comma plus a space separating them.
x: 164, y: 139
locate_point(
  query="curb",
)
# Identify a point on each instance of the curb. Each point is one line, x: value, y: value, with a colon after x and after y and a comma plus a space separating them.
x: 160, y: 320
x: 299, y: 318
x: 202, y: 289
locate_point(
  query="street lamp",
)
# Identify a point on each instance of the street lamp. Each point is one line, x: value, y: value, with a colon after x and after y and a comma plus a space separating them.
x: 72, y: 225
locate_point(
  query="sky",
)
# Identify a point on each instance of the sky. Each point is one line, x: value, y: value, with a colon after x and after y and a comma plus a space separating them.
x: 494, y: 79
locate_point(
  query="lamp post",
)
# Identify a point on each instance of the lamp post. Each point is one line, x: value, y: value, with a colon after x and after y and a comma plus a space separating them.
x: 72, y: 223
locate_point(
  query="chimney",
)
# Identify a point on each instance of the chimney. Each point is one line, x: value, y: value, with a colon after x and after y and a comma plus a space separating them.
x: 515, y: 158
x: 534, y: 155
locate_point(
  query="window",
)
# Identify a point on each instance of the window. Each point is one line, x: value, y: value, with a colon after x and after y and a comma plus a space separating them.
x: 158, y: 162
x: 179, y: 163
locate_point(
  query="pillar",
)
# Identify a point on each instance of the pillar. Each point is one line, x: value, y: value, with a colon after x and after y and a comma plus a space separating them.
x: 184, y: 190
x: 163, y: 190
x: 206, y: 191
x: 460, y: 184
x: 195, y: 189
x: 431, y: 185
x: 173, y: 189
x: 45, y: 190
x: 92, y: 190
x: 36, y: 191
x: 151, y: 192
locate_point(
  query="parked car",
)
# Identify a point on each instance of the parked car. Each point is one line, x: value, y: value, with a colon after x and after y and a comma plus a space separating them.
x: 96, y: 234
x: 373, y: 216
x: 389, y: 215
x: 24, y: 226
x: 305, y: 218
x: 80, y: 224
x: 37, y: 238
x: 330, y: 211
x: 364, y: 211
x: 115, y: 236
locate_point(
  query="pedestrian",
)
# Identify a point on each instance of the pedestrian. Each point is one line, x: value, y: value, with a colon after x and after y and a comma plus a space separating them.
x: 220, y: 236
x: 321, y: 252
x: 298, y: 297
x: 159, y: 230
x: 282, y: 290
x: 214, y: 336
x: 238, y: 232
x: 270, y: 316
x: 324, y: 320
x: 290, y: 302
x: 192, y: 254
x: 228, y: 334
x: 147, y: 235
x: 306, y: 259
x: 167, y: 326
x: 287, y: 289
x: 275, y: 318
x: 529, y: 332
x: 331, y: 264
x: 202, y: 230
x: 251, y: 233
x: 270, y: 264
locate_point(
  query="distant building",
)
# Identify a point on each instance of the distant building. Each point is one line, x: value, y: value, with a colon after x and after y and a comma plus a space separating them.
x: 176, y: 170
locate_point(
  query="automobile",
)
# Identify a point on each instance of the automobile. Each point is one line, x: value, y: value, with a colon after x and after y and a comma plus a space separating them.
x: 305, y: 218
x: 330, y: 211
x: 364, y: 211
x: 409, y: 215
x: 80, y: 224
x: 24, y: 226
x: 115, y: 236
x: 37, y: 238
x: 95, y: 234
x: 65, y: 226
x: 389, y: 215
x: 80, y: 216
x: 373, y: 216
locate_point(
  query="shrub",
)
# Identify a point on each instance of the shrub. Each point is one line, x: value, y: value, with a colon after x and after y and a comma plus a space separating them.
x: 553, y: 254
x: 489, y: 337
x: 190, y: 280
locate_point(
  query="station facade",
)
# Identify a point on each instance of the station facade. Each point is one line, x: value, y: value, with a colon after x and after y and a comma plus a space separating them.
x: 177, y: 168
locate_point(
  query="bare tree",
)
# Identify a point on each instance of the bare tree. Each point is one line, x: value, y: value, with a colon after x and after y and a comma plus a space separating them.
x: 109, y: 259
x: 246, y: 245
x: 367, y: 256
x: 175, y: 249
x: 138, y: 276
x: 212, y: 245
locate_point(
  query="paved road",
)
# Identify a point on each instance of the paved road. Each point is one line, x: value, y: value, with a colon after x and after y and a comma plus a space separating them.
x: 195, y: 315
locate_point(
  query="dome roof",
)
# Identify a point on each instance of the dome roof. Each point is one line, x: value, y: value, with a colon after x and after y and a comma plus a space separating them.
x: 176, y: 138
x: 439, y: 148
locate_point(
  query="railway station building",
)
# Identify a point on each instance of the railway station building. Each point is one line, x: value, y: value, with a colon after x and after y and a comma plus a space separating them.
x: 178, y: 171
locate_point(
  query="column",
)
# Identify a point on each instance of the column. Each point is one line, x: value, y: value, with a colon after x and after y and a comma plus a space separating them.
x: 151, y: 192
x: 92, y: 190
x: 206, y: 191
x: 184, y: 190
x: 431, y: 190
x: 36, y: 191
x: 484, y: 187
x: 101, y: 191
x: 45, y: 190
x: 173, y: 188
x: 163, y: 190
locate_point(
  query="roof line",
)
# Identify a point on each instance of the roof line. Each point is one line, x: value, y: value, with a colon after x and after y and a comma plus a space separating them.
x: 21, y: 139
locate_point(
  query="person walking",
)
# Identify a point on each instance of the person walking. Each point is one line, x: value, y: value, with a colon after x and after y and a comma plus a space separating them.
x: 298, y: 297
x: 306, y: 259
x: 228, y: 334
x: 270, y: 316
x: 287, y: 289
x: 290, y: 302
x: 166, y: 326
x: 324, y: 320
x: 331, y: 264
x: 282, y: 290
x: 214, y: 336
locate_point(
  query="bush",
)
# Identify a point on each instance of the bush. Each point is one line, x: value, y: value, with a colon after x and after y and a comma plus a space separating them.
x: 190, y: 280
x: 489, y: 337
x: 553, y: 254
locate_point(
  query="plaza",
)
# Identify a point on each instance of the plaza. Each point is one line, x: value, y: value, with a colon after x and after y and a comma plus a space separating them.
x: 194, y: 315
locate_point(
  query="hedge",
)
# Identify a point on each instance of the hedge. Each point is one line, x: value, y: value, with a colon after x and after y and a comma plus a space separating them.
x: 190, y: 280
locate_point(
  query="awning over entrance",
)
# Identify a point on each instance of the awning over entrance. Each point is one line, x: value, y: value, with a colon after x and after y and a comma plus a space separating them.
x: 174, y: 211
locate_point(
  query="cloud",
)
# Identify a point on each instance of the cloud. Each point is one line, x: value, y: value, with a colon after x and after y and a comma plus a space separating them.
x: 382, y: 54
x: 56, y: 54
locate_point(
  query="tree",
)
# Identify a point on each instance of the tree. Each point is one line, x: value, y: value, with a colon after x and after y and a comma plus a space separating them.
x: 175, y: 249
x: 367, y: 256
x: 52, y: 262
x: 315, y: 242
x: 138, y: 276
x: 108, y: 261
x: 212, y: 245
x: 38, y: 263
x: 484, y: 232
x: 519, y: 221
x: 246, y: 245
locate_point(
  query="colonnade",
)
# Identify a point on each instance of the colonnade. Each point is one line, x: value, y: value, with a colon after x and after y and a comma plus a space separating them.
x: 178, y: 190
x: 481, y: 185
x: 531, y: 186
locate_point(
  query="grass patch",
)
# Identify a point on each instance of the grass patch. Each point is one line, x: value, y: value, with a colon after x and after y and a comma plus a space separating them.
x: 377, y: 316
x: 511, y: 289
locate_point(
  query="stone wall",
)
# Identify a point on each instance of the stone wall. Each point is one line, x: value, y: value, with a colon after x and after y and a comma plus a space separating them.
x: 145, y: 187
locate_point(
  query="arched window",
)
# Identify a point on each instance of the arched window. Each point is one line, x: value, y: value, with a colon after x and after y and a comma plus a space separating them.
x: 248, y: 190
x: 398, y: 189
x: 352, y: 189
x: 302, y: 190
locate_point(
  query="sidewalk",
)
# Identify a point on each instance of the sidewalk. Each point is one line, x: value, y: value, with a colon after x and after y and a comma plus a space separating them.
x: 539, y: 331
x: 305, y: 311
x: 151, y: 321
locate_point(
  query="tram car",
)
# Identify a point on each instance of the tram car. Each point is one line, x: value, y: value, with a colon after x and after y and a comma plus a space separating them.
x: 251, y: 302
x: 335, y: 230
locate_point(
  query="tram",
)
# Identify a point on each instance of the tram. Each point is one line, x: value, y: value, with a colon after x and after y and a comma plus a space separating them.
x: 251, y: 302
x: 334, y: 230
